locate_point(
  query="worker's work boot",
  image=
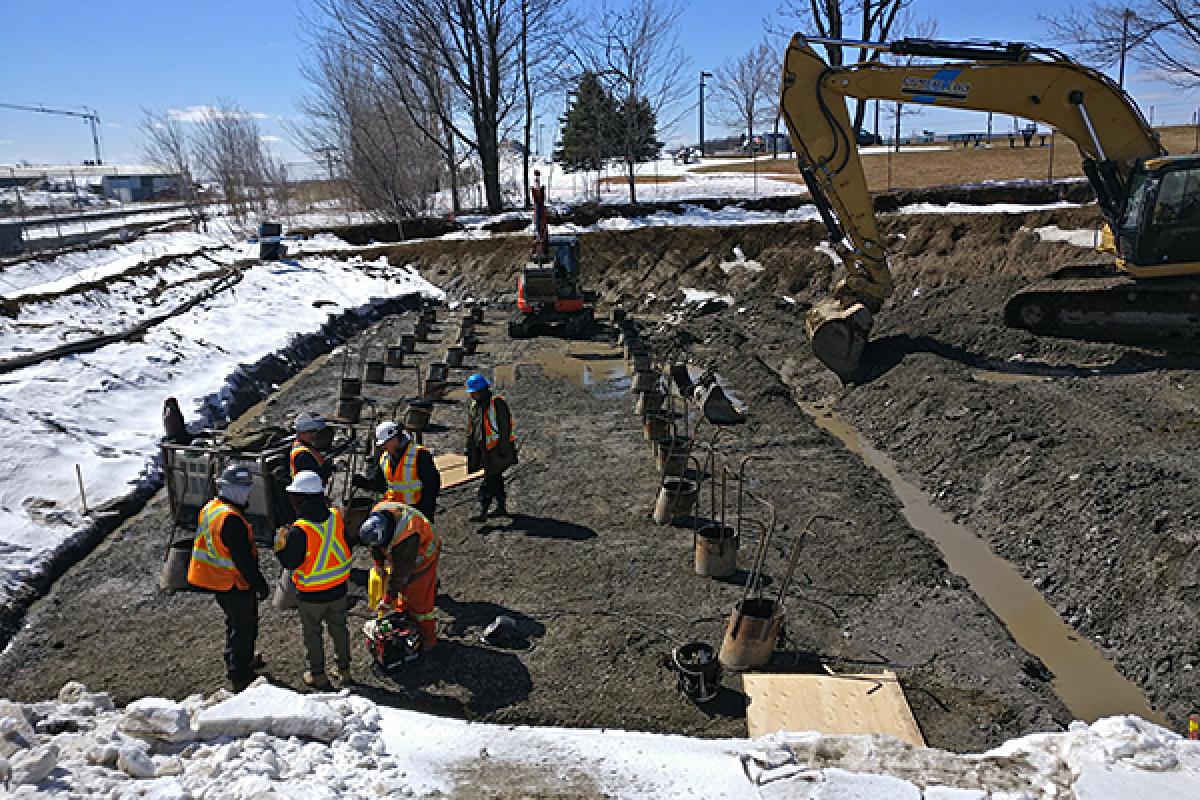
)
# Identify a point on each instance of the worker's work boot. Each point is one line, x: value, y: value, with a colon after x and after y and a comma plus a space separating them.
x: 316, y: 680
x: 240, y: 682
x: 341, y: 676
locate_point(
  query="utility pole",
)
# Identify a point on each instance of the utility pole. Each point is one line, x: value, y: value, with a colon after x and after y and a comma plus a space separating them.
x: 703, y: 75
x: 1124, y: 46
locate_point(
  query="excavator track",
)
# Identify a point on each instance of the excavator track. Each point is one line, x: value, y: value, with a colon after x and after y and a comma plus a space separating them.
x: 1096, y: 302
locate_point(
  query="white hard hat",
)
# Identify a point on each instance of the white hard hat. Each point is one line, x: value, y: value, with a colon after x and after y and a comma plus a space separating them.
x: 308, y: 422
x: 235, y: 484
x: 306, y: 482
x: 386, y: 430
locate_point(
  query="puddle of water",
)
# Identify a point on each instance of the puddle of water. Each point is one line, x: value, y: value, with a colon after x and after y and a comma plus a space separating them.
x: 1084, y: 679
x: 591, y: 365
x: 989, y: 376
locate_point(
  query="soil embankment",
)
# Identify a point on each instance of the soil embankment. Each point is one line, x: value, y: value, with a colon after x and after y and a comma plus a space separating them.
x: 1082, y: 478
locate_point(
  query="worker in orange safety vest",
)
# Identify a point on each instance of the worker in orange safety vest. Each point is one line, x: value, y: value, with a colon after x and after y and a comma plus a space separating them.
x: 225, y: 562
x: 312, y: 437
x: 406, y: 550
x: 491, y: 444
x: 314, y: 548
x: 405, y: 472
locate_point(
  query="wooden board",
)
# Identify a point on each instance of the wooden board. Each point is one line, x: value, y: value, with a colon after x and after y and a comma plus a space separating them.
x: 453, y: 468
x: 849, y: 703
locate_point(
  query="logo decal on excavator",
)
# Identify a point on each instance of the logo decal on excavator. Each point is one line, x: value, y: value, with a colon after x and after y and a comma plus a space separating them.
x: 941, y: 86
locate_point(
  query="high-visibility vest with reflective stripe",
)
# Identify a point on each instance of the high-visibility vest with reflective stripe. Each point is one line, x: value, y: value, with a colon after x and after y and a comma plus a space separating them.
x: 298, y: 448
x: 212, y: 565
x: 410, y: 522
x: 327, y: 558
x: 491, y: 427
x: 403, y: 484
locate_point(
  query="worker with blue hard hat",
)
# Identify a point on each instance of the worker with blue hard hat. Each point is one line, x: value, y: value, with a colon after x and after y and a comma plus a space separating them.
x: 491, y: 444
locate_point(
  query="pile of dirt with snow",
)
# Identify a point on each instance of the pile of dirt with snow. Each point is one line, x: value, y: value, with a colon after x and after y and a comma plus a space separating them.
x: 271, y: 742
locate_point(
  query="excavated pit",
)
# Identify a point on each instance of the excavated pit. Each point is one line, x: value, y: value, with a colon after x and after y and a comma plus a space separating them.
x: 1072, y: 461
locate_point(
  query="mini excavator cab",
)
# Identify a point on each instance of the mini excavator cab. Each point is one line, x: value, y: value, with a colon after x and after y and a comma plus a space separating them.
x: 549, y: 294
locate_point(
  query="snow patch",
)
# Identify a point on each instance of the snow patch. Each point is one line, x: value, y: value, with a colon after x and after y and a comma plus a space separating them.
x: 741, y: 262
x: 102, y: 410
x: 828, y: 249
x: 272, y: 742
x: 701, y: 296
x: 1080, y: 237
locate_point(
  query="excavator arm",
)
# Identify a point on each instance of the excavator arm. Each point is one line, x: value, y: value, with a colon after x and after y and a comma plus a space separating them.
x: 1017, y: 79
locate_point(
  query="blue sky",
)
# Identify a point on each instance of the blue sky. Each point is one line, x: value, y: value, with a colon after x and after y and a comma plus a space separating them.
x: 119, y: 55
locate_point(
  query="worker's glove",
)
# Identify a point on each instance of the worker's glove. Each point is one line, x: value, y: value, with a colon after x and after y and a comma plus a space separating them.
x: 360, y: 482
x: 281, y: 535
x: 262, y: 592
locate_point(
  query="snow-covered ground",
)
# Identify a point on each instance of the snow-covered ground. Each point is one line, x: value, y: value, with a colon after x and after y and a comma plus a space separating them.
x: 269, y: 742
x: 102, y: 410
x: 1080, y: 237
x: 49, y: 230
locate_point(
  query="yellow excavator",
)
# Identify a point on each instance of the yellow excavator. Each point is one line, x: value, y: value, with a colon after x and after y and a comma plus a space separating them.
x: 1150, y: 201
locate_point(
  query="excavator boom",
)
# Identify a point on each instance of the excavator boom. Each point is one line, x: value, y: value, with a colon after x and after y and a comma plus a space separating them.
x: 1114, y: 140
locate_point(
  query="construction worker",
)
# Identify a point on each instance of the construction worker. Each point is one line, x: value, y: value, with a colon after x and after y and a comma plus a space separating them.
x: 310, y: 429
x: 491, y: 445
x: 406, y: 551
x: 405, y: 472
x: 225, y: 562
x: 314, y: 548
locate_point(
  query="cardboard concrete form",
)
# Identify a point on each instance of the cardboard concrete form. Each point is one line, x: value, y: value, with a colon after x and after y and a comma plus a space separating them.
x: 453, y: 469
x: 849, y: 703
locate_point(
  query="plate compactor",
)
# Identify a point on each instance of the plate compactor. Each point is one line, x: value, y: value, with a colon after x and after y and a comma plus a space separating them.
x: 393, y: 642
x: 549, y: 295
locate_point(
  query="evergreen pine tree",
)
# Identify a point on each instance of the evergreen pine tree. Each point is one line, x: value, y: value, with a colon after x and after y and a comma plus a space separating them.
x: 590, y: 128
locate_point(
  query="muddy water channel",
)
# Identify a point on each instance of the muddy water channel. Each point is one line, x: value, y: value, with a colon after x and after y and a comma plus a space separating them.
x: 596, y: 365
x: 1088, y: 684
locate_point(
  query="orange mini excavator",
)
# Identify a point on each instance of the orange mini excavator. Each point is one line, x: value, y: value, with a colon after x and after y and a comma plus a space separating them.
x: 549, y: 296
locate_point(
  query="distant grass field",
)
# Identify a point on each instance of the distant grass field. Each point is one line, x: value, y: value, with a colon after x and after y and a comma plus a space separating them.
x: 934, y: 167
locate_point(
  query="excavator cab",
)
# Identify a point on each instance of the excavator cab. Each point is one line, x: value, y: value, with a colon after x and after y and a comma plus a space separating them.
x: 549, y: 295
x: 1159, y: 230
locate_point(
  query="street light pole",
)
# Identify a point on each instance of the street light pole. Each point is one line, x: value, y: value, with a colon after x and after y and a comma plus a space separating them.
x: 1124, y: 46
x: 703, y: 75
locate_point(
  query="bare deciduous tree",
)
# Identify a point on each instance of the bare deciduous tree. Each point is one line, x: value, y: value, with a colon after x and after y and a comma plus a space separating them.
x: 866, y: 20
x: 228, y: 147
x: 1161, y: 34
x: 165, y: 144
x: 425, y: 46
x: 637, y: 46
x: 388, y: 164
x: 746, y: 87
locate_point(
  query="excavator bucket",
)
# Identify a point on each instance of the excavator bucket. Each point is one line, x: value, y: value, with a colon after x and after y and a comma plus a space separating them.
x: 839, y: 335
x: 682, y: 378
x: 716, y: 406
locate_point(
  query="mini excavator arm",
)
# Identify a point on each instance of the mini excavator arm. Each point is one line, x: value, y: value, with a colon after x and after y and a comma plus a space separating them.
x: 1042, y: 85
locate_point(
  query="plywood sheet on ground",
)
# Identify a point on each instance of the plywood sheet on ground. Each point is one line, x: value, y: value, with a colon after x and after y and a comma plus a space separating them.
x: 851, y: 703
x: 453, y: 468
